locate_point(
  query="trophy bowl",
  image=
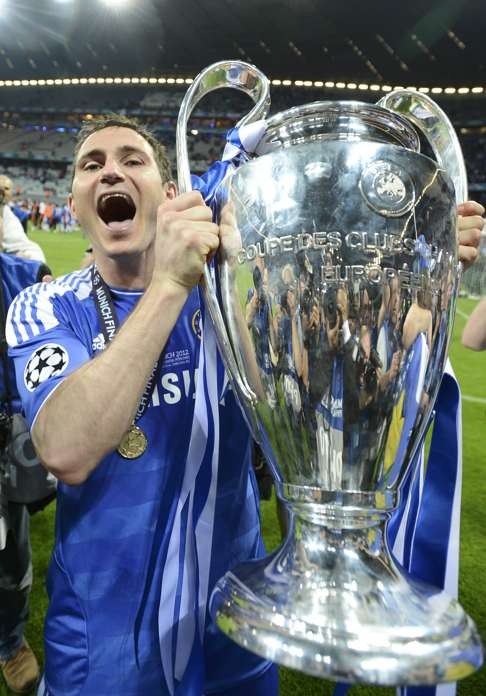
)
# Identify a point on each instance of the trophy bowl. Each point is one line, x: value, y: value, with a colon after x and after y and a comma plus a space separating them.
x: 337, y: 279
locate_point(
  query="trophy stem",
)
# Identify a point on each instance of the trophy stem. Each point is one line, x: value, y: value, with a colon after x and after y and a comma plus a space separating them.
x: 332, y: 602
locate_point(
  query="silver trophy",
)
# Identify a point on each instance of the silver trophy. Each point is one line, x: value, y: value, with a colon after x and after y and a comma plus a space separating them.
x: 333, y: 303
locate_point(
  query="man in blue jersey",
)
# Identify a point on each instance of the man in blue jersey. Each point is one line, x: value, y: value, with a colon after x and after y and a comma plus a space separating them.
x: 17, y: 661
x: 131, y: 411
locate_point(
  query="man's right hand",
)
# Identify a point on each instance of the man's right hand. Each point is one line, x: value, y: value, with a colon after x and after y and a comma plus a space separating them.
x: 470, y: 223
x: 186, y: 239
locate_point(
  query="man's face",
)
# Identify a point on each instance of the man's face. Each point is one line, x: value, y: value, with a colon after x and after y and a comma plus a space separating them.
x: 116, y: 191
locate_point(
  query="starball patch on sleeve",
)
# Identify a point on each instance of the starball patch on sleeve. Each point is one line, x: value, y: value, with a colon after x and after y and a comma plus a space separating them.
x: 50, y: 360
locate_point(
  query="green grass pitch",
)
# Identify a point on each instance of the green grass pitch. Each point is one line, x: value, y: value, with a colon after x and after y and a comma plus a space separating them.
x: 64, y: 252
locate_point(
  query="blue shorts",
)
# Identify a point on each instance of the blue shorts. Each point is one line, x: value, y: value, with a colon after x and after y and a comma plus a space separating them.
x: 265, y: 684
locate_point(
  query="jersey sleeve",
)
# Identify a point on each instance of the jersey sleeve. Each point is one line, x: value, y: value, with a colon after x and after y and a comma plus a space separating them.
x: 43, y: 345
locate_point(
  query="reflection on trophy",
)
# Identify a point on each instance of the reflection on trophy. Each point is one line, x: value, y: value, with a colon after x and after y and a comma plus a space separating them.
x: 338, y: 275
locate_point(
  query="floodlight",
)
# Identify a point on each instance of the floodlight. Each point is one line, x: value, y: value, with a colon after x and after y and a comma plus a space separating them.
x: 116, y: 3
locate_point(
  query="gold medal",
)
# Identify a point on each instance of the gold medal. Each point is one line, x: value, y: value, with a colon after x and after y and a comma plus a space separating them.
x: 134, y: 443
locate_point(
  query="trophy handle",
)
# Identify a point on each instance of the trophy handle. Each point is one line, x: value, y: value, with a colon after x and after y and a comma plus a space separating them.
x: 436, y: 127
x: 245, y: 78
x: 433, y: 123
x: 227, y: 73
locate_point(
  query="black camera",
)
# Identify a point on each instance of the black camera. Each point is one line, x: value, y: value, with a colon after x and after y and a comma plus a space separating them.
x: 370, y: 369
x: 330, y: 306
x: 370, y: 379
x: 5, y: 430
x: 25, y: 480
x: 306, y: 301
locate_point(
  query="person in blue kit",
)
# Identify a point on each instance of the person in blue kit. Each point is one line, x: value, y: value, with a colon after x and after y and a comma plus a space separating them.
x: 17, y: 661
x: 130, y: 410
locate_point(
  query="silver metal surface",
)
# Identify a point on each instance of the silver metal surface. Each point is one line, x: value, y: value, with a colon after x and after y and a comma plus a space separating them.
x: 433, y: 123
x: 248, y: 79
x: 319, y: 285
x: 338, y: 274
x: 349, y: 120
x: 332, y: 603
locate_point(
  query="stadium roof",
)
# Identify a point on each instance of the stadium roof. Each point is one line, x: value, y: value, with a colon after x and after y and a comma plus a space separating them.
x: 410, y: 42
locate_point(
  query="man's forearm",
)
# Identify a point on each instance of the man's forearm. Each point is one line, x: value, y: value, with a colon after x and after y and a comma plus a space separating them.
x: 474, y: 334
x: 97, y: 402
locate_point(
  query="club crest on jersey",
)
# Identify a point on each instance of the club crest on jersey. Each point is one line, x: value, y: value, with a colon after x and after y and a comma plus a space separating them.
x: 47, y: 361
x: 196, y: 323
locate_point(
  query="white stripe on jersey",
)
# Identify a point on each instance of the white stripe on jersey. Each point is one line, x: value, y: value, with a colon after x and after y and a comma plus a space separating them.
x: 74, y: 279
x: 41, y: 689
x: 186, y: 631
x: 13, y: 317
x: 78, y: 281
x: 22, y: 325
x: 168, y: 592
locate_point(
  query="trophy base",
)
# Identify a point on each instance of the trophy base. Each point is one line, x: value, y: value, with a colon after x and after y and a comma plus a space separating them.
x: 331, y: 602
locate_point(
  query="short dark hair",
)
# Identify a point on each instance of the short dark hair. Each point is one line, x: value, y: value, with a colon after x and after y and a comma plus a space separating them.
x: 103, y: 121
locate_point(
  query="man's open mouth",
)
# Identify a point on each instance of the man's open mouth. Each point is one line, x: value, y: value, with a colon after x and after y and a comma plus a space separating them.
x: 116, y: 207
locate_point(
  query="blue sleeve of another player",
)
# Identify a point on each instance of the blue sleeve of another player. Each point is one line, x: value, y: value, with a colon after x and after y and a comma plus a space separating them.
x: 44, y: 350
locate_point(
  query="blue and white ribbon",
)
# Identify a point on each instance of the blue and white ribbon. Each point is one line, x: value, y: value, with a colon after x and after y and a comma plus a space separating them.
x: 424, y: 531
x: 241, y: 143
x: 185, y: 584
x: 432, y: 544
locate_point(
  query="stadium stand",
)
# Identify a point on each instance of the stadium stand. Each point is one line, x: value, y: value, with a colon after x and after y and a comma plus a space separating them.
x: 38, y: 128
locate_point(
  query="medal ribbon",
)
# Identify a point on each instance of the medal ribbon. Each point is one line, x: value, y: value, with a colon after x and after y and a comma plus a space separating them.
x: 109, y: 323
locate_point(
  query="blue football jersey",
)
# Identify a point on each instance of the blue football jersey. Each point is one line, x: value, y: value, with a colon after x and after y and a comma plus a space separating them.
x: 141, y: 543
x: 16, y: 274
